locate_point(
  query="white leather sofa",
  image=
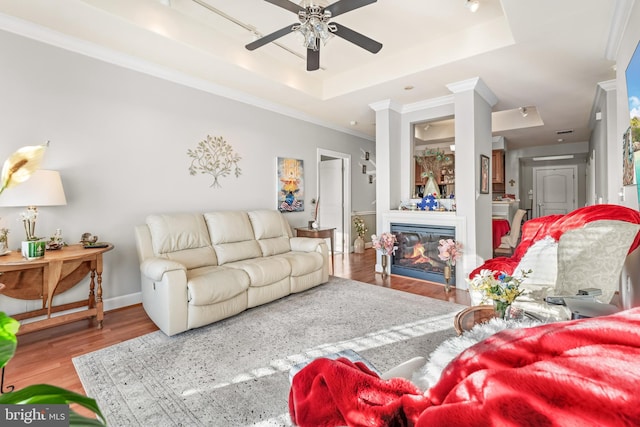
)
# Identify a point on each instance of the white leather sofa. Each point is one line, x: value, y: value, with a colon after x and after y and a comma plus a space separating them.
x: 199, y: 268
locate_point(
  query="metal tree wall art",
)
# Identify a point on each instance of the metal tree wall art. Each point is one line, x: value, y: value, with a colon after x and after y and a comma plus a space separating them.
x: 215, y: 157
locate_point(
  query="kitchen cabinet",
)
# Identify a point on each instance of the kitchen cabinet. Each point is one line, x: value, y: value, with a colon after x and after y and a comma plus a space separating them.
x: 447, y: 179
x: 497, y: 167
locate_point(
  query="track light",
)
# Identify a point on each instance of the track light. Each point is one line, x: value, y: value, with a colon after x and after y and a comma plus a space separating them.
x: 473, y: 5
x: 523, y: 111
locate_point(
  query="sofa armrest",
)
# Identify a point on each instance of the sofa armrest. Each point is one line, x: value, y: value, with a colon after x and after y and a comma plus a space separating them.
x: 155, y: 268
x: 307, y: 244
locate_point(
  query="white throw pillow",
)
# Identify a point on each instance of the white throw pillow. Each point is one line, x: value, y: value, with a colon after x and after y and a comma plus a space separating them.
x: 593, y: 257
x: 542, y: 259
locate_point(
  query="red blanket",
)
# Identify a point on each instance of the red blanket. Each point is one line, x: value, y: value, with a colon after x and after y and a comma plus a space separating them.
x: 554, y: 225
x: 578, y: 373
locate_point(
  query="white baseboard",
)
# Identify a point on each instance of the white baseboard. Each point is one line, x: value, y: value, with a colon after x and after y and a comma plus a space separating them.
x: 122, y: 301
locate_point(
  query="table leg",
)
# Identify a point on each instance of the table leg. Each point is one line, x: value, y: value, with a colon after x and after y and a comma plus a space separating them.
x: 53, y: 271
x: 99, y: 308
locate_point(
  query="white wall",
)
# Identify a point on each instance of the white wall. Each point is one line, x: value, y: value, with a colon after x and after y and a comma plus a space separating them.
x: 119, y: 139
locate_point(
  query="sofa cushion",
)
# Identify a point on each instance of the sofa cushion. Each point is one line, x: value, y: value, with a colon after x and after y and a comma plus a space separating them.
x: 269, y: 223
x: 593, y: 256
x: 263, y: 271
x: 232, y: 236
x: 210, y: 285
x: 303, y: 263
x: 181, y: 237
x: 272, y: 231
x: 275, y: 246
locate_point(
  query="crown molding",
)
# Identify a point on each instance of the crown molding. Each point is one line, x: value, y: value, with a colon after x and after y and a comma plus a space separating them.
x: 476, y: 84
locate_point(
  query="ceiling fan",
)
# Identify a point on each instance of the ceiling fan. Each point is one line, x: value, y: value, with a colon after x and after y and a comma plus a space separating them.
x: 315, y: 27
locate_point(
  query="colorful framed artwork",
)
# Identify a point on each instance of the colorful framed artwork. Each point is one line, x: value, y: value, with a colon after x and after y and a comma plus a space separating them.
x: 631, y: 139
x: 290, y: 185
x: 484, y: 174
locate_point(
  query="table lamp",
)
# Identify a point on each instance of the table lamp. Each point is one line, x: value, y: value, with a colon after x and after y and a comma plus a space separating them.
x: 44, y: 188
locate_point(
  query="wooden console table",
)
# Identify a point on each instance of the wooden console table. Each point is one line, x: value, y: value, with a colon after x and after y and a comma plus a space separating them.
x: 58, y: 271
x: 323, y: 233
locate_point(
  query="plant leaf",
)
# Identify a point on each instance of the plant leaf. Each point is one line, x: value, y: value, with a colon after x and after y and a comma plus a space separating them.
x: 8, y: 341
x: 49, y: 394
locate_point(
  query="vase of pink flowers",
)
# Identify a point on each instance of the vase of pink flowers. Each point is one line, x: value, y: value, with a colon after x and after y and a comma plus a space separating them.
x: 386, y: 244
x: 449, y: 251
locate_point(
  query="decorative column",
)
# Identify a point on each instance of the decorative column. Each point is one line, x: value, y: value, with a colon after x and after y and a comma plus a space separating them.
x: 473, y: 103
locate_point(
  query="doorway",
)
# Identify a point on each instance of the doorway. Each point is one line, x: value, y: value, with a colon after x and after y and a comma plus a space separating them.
x: 334, y: 195
x: 554, y: 190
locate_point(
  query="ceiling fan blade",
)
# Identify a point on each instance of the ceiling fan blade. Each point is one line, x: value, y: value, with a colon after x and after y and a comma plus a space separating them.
x: 286, y: 4
x: 357, y: 38
x: 343, y: 6
x: 313, y: 59
x: 269, y: 38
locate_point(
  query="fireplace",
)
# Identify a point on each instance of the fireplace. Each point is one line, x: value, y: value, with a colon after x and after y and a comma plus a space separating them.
x: 417, y: 253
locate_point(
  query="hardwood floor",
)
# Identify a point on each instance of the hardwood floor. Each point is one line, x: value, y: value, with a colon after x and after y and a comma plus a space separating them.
x: 45, y: 356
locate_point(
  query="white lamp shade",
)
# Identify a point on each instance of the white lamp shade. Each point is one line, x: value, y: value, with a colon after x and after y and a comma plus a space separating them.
x: 44, y: 188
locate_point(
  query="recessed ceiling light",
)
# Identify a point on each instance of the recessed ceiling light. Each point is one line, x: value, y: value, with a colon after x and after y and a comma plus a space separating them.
x: 560, y: 140
x: 353, y: 122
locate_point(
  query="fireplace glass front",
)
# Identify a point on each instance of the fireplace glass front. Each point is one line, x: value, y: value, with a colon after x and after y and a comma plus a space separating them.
x: 417, y: 253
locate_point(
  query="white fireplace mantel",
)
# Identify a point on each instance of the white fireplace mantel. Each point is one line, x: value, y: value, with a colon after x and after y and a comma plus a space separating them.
x: 449, y: 219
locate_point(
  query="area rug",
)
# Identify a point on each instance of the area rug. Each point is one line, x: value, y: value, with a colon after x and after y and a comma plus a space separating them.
x: 235, y: 372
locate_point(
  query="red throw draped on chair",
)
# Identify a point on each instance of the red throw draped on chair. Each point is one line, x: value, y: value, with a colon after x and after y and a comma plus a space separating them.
x: 554, y: 225
x: 500, y: 227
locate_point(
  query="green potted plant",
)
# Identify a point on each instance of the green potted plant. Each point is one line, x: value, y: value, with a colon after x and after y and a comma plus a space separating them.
x: 16, y: 169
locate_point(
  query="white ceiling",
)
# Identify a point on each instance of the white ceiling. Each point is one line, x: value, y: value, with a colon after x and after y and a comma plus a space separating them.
x: 545, y: 54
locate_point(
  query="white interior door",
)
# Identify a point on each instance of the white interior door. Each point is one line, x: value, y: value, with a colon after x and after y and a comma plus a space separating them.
x: 554, y: 190
x: 330, y: 199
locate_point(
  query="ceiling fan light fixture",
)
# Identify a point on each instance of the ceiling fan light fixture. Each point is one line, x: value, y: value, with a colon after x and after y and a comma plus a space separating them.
x: 314, y: 26
x: 473, y: 5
